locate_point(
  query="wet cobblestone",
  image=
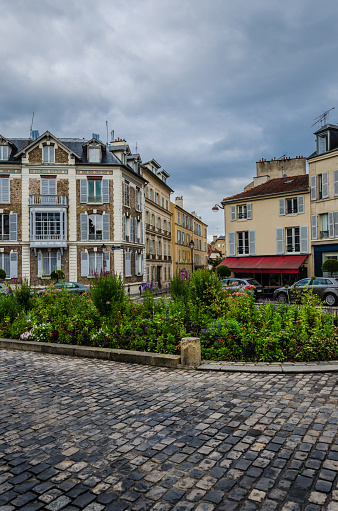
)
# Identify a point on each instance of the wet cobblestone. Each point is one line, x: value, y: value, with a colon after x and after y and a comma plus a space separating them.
x: 96, y: 435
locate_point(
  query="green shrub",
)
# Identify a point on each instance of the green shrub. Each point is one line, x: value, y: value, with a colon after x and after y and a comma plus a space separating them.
x: 57, y: 275
x: 180, y: 285
x: 2, y: 274
x: 223, y: 271
x: 23, y: 294
x: 107, y: 291
x: 205, y: 287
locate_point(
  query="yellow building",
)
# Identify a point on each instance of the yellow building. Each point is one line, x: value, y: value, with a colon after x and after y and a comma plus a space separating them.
x: 267, y: 231
x: 187, y: 228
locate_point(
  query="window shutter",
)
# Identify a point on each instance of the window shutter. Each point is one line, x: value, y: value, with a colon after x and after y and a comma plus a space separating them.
x: 13, y: 265
x: 124, y: 222
x: 281, y: 207
x: 52, y: 187
x: 300, y: 204
x: 304, y: 240
x: 131, y: 229
x: 142, y: 264
x: 233, y: 213
x: 83, y: 191
x: 335, y: 179
x: 135, y: 229
x: 105, y: 191
x: 4, y: 189
x: 136, y: 263
x: 248, y: 211
x: 106, y: 259
x: 13, y: 232
x: 44, y: 186
x: 314, y: 233
x: 106, y: 226
x: 313, y: 185
x: 336, y: 224
x: 232, y: 243
x: 280, y: 240
x: 84, y: 226
x: 141, y: 231
x: 58, y: 260
x: 127, y: 263
x: 325, y: 182
x: 331, y: 224
x: 84, y: 264
x: 252, y: 242
x: 141, y: 201
x: 40, y: 264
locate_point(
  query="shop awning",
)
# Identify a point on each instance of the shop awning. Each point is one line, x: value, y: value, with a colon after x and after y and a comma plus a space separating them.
x: 265, y: 264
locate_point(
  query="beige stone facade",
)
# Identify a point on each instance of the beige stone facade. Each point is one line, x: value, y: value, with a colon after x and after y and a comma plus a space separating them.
x: 187, y: 227
x: 158, y: 224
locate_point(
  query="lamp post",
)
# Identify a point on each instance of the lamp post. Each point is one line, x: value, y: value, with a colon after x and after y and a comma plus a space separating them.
x: 191, y: 245
x: 216, y: 208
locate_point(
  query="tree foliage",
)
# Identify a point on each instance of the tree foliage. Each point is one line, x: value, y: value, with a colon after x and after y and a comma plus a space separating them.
x: 330, y: 265
x: 223, y: 270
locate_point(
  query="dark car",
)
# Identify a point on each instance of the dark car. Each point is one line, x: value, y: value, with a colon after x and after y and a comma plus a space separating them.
x: 325, y: 288
x: 73, y: 287
x: 239, y: 283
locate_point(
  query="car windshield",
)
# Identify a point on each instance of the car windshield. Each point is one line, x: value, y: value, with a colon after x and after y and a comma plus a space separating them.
x: 253, y: 282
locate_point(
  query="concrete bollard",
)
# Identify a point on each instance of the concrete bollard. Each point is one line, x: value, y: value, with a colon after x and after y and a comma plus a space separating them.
x: 190, y: 351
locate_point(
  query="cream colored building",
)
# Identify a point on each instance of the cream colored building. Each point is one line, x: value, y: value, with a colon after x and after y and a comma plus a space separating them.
x: 323, y: 174
x: 267, y: 231
x: 158, y: 224
x: 187, y: 227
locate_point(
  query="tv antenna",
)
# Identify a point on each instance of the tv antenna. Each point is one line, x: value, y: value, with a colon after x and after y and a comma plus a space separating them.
x: 31, y: 128
x: 322, y: 118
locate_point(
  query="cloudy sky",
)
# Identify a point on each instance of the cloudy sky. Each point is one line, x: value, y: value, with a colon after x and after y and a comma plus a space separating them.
x: 205, y: 88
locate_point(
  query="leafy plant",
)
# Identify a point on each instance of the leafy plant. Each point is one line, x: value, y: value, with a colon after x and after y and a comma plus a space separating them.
x: 57, y: 275
x: 331, y: 266
x: 223, y: 271
x: 107, y: 290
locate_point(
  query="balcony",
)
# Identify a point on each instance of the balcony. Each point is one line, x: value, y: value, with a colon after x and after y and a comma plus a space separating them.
x: 47, y: 200
x: 324, y: 234
x: 48, y: 241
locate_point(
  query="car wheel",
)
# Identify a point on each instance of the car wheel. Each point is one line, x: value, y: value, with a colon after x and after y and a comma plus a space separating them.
x: 282, y: 298
x: 330, y: 299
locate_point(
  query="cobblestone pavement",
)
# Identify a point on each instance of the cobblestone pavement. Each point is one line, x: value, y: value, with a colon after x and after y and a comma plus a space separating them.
x: 95, y: 435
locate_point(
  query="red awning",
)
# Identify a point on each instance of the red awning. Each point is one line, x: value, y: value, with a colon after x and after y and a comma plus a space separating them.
x: 265, y: 264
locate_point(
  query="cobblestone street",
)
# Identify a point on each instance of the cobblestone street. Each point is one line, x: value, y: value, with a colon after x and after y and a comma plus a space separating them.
x: 95, y: 435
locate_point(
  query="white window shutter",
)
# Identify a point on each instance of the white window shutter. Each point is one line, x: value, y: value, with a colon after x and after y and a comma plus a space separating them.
x: 135, y: 229
x: 84, y: 264
x: 280, y: 241
x: 105, y: 191
x: 58, y: 260
x: 106, y: 258
x: 325, y: 182
x: 124, y: 225
x: 304, y: 239
x: 141, y: 201
x: 141, y: 231
x: 331, y: 224
x: 131, y: 229
x: 13, y: 265
x: 83, y: 191
x: 300, y: 204
x: 44, y: 186
x: 252, y: 242
x: 232, y: 243
x: 4, y: 189
x: 233, y: 213
x: 136, y: 263
x: 84, y: 226
x: 281, y: 207
x: 314, y: 227
x: 127, y: 263
x: 39, y: 264
x: 106, y: 227
x: 52, y: 187
x: 335, y: 179
x: 313, y: 185
x: 248, y: 211
x: 336, y: 224
x: 13, y: 232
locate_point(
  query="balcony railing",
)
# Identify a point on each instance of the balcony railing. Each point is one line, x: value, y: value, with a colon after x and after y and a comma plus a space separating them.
x: 324, y: 234
x: 48, y: 200
x: 48, y: 237
x: 94, y: 198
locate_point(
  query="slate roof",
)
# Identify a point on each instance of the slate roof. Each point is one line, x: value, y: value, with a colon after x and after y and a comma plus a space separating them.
x: 274, y: 187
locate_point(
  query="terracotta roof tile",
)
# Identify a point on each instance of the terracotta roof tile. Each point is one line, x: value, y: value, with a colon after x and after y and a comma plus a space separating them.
x: 274, y: 186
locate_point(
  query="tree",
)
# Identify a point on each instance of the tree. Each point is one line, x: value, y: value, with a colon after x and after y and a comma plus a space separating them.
x: 223, y: 270
x: 57, y: 274
x: 331, y: 266
x: 2, y: 274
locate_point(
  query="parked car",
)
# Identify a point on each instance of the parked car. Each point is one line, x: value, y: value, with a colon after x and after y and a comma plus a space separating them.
x: 73, y: 287
x: 239, y: 283
x: 325, y: 288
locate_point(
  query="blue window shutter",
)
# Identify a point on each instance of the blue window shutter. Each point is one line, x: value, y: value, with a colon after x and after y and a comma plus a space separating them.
x: 58, y: 260
x: 136, y: 263
x: 280, y: 240
x: 313, y: 187
x: 281, y: 207
x: 13, y: 264
x: 335, y: 182
x: 325, y: 184
x: 124, y: 223
x: 135, y: 229
x: 84, y: 226
x: 106, y: 258
x: 131, y: 229
x: 83, y: 191
x: 252, y: 242
x: 300, y: 204
x: 106, y: 227
x: 84, y: 264
x: 233, y: 213
x: 141, y: 231
x: 314, y: 227
x: 13, y: 232
x: 232, y: 243
x: 4, y: 186
x: 105, y: 191
x: 249, y: 211
x: 39, y: 264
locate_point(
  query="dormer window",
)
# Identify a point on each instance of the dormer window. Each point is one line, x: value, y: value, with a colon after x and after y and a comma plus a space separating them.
x: 48, y: 154
x: 322, y: 144
x: 94, y: 154
x: 3, y: 152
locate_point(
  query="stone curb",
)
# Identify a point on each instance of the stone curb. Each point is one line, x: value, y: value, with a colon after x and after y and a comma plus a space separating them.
x: 131, y: 357
x: 273, y: 367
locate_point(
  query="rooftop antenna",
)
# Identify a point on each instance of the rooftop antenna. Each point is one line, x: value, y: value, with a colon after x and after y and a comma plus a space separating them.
x: 31, y: 128
x: 322, y: 118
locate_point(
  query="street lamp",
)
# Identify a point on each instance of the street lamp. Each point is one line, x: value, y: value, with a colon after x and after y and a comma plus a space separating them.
x: 216, y: 208
x: 103, y: 248
x: 191, y: 245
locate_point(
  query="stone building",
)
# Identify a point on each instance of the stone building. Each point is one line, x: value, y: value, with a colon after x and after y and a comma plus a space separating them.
x: 158, y: 224
x: 70, y: 204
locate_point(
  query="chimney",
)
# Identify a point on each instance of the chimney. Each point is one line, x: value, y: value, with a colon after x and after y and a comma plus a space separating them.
x: 35, y: 134
x: 179, y: 201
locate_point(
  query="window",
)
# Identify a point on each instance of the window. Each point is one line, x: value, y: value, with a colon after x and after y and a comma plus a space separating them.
x: 94, y: 155
x: 4, y: 227
x: 95, y: 227
x: 48, y: 186
x: 4, y: 189
x: 292, y: 239
x: 47, y: 226
x: 243, y: 242
x: 126, y: 194
x: 94, y: 190
x: 322, y: 144
x: 242, y: 211
x: 166, y: 204
x: 324, y: 226
x: 49, y: 263
x: 163, y: 202
x: 3, y: 152
x: 5, y: 262
x: 48, y: 154
x: 95, y: 262
x: 291, y: 206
